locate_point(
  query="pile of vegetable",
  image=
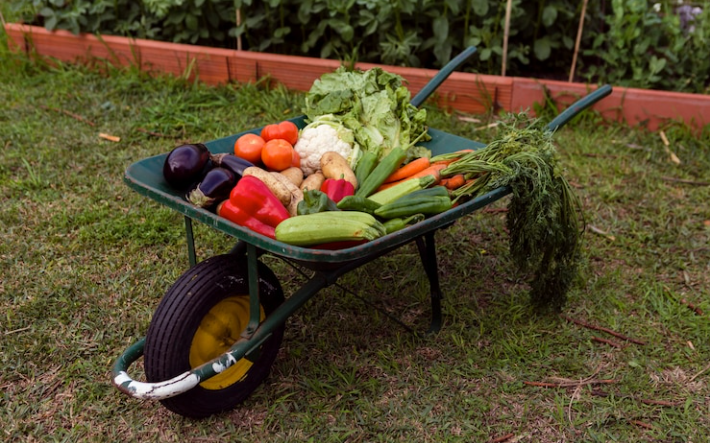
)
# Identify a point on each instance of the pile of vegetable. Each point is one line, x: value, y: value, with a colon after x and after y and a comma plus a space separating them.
x: 350, y: 160
x: 328, y: 208
x: 353, y: 174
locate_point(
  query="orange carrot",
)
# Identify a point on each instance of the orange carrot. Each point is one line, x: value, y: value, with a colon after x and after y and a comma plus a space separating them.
x: 453, y: 182
x: 469, y: 182
x: 409, y: 169
x: 434, y: 170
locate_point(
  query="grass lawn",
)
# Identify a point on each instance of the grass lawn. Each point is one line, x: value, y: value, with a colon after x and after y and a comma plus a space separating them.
x: 84, y: 262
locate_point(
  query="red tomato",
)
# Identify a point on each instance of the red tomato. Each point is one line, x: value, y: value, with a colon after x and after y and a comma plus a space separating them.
x: 285, y: 130
x: 277, y: 154
x: 296, y: 161
x: 249, y: 147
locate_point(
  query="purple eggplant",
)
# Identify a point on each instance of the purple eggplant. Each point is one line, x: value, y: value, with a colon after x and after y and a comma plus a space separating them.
x: 186, y: 164
x: 214, y: 187
x: 230, y: 161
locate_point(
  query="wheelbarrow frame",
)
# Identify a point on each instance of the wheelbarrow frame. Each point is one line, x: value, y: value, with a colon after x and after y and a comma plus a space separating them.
x: 328, y: 266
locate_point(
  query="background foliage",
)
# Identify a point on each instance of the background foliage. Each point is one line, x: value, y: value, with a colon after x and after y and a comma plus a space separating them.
x: 635, y: 43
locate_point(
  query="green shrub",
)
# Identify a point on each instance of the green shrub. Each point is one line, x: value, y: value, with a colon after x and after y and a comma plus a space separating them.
x: 414, y: 32
x: 204, y: 22
x: 625, y: 42
x: 648, y: 47
x: 402, y: 32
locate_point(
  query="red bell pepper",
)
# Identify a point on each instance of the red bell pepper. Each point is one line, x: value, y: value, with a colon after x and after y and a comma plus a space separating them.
x: 337, y: 189
x: 251, y: 204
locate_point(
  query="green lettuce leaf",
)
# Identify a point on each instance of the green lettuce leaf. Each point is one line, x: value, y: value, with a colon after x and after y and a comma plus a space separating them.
x: 374, y: 105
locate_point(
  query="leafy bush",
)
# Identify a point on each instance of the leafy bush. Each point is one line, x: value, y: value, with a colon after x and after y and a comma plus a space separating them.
x: 625, y: 42
x: 652, y: 47
x: 204, y: 22
x: 414, y: 32
x: 403, y: 32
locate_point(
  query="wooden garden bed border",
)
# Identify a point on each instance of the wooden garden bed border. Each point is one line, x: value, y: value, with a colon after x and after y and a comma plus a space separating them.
x: 465, y: 92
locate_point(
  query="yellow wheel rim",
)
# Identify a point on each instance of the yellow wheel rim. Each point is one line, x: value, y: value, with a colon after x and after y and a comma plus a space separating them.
x: 218, y: 331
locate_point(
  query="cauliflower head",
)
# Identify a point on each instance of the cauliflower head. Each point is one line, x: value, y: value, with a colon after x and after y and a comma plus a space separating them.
x: 320, y: 137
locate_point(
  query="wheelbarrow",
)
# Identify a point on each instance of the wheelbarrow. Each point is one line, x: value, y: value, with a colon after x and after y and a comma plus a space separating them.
x: 215, y: 334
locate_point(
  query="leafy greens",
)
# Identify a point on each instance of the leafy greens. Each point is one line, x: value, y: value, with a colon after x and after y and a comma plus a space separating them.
x: 374, y: 104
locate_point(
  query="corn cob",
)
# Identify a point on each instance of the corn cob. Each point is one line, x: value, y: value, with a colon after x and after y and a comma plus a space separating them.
x: 330, y: 226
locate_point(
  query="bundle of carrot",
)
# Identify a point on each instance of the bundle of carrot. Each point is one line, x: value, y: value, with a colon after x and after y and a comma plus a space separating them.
x: 543, y: 215
x: 423, y: 166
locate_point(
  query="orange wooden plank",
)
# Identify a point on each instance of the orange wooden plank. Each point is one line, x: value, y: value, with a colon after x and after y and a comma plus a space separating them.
x: 16, y: 40
x: 632, y: 106
x: 466, y: 92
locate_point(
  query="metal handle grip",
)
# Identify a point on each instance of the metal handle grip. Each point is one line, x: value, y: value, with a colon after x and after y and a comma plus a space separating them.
x: 579, y: 106
x: 442, y: 75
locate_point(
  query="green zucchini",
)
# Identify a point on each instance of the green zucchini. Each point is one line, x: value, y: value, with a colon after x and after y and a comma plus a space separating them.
x: 329, y: 226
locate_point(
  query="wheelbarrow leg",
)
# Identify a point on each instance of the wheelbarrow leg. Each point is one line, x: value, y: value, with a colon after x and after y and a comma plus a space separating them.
x: 254, y: 310
x: 240, y: 248
x: 427, y: 252
x: 190, y: 242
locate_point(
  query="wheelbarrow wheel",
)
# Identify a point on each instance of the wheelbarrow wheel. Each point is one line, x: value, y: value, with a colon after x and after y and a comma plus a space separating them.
x: 200, y: 318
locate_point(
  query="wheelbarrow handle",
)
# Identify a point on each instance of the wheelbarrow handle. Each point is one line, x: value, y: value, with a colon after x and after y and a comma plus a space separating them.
x: 442, y: 75
x: 580, y: 105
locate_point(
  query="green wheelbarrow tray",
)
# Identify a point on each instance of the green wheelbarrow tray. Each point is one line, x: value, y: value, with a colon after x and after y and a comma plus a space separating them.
x: 145, y: 177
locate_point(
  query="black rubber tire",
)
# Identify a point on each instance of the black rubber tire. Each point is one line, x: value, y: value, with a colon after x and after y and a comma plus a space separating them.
x: 176, y: 320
